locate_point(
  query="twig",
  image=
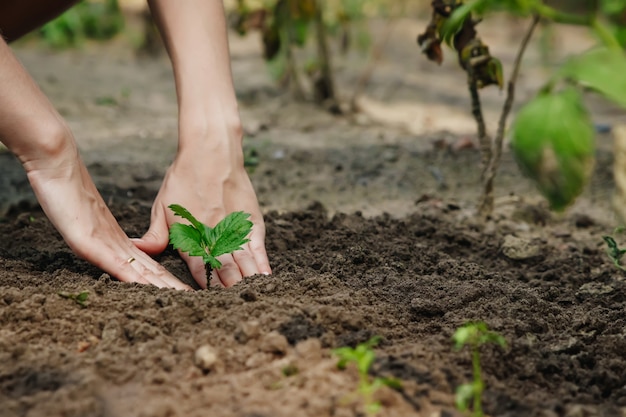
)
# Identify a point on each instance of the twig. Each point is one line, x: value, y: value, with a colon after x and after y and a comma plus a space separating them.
x: 486, y: 205
x: 326, y: 78
x: 483, y: 137
x: 292, y: 75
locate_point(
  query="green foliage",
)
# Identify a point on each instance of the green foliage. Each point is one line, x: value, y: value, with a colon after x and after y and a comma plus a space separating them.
x: 79, y: 298
x: 198, y: 239
x: 600, y: 69
x: 614, y: 251
x: 553, y: 142
x: 87, y: 20
x: 553, y: 136
x: 362, y: 356
x: 474, y: 335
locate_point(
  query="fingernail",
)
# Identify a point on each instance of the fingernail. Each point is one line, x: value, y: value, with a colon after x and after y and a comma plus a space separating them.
x: 265, y: 273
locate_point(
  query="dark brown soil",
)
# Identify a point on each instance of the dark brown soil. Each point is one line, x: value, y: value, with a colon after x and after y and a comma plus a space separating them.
x: 371, y: 231
x: 338, y: 281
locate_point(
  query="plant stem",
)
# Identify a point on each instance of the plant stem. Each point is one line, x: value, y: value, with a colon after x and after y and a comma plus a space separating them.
x: 324, y: 58
x: 479, y: 385
x: 292, y: 68
x: 548, y: 12
x: 486, y: 204
x: 605, y: 34
x: 483, y: 138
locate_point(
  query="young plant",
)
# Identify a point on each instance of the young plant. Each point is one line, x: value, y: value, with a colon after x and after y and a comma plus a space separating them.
x: 198, y: 239
x: 474, y: 334
x: 614, y: 251
x: 79, y: 298
x: 553, y: 136
x: 363, y: 356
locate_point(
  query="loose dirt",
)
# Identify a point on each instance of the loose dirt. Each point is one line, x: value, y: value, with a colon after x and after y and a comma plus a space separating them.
x: 371, y: 231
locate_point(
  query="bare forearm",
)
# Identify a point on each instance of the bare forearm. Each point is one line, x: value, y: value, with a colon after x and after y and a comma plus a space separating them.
x: 29, y: 126
x: 195, y: 35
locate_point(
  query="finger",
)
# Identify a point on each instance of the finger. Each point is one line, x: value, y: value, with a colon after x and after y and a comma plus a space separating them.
x: 229, y: 273
x: 197, y: 269
x: 155, y: 273
x: 155, y: 240
x: 257, y: 248
x: 246, y: 262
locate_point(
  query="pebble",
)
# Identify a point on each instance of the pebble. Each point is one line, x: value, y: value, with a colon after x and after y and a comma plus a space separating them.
x: 274, y: 342
x: 519, y: 249
x: 205, y: 357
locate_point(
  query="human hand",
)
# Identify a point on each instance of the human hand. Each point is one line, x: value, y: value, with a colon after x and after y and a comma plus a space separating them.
x: 71, y: 201
x: 210, y: 182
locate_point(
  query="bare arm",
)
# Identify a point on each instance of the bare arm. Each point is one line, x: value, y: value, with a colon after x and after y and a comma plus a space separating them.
x: 207, y: 176
x: 32, y: 129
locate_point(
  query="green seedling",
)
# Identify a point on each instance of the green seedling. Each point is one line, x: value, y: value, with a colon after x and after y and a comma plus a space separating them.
x: 474, y: 334
x: 363, y: 356
x: 614, y: 251
x: 198, y: 239
x: 79, y: 298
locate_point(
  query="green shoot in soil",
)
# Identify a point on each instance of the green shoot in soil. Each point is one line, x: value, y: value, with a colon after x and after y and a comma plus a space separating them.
x: 474, y: 334
x: 198, y: 239
x: 79, y: 298
x: 614, y: 251
x: 363, y: 356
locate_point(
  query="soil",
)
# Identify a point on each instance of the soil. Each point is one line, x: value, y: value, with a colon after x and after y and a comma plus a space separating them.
x: 371, y: 231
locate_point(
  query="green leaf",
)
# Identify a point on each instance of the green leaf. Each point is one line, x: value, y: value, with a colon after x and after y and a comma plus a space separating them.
x: 461, y: 336
x: 188, y: 239
x: 82, y: 297
x: 229, y: 234
x: 463, y: 396
x: 553, y: 142
x: 612, y: 7
x: 184, y: 213
x: 600, y: 69
x: 209, y: 259
x: 454, y: 23
x: 614, y: 251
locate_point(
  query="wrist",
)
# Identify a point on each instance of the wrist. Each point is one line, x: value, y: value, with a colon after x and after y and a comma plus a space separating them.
x: 46, y: 145
x: 200, y: 132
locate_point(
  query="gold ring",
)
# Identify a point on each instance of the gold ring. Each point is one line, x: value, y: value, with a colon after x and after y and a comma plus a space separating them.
x: 130, y: 260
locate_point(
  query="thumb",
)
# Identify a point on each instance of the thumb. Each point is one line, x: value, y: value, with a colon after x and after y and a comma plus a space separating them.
x: 155, y: 240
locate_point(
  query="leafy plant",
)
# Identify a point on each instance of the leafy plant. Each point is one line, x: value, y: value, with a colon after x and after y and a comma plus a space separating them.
x: 614, y: 251
x: 285, y: 25
x: 198, y: 239
x: 474, y: 335
x: 79, y: 298
x: 363, y: 356
x: 552, y: 137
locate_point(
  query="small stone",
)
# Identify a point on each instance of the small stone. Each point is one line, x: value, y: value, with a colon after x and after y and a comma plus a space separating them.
x: 310, y: 349
x: 247, y: 330
x: 519, y: 249
x: 248, y: 295
x: 205, y: 357
x: 258, y: 359
x: 274, y: 342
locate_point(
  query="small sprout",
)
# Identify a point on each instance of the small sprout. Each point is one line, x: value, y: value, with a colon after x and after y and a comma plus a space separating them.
x: 363, y: 356
x: 474, y: 334
x: 614, y: 251
x: 79, y: 298
x: 290, y: 370
x: 198, y: 239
